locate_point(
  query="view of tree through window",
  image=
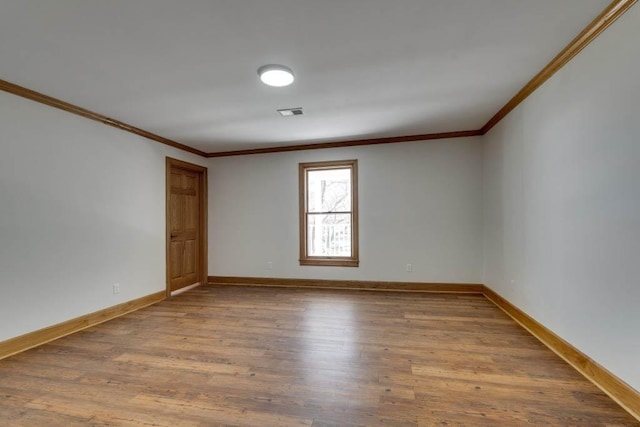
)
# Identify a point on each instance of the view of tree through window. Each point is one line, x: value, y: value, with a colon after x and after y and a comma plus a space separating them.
x: 328, y: 211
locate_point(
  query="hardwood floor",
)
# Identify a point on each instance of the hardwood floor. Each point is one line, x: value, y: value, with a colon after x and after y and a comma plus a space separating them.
x: 246, y: 356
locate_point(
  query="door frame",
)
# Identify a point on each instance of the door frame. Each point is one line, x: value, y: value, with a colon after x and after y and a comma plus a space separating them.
x: 203, y: 247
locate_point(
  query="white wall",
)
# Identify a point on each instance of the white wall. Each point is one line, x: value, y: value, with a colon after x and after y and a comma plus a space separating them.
x: 562, y: 202
x: 82, y: 206
x: 420, y: 203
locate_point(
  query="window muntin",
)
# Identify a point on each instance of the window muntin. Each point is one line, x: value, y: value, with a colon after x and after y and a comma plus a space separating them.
x: 328, y: 213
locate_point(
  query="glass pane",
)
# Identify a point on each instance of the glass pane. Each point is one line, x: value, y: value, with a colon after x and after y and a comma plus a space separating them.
x: 329, y: 190
x: 329, y: 235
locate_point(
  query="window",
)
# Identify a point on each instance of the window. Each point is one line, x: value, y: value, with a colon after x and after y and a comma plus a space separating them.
x: 329, y: 213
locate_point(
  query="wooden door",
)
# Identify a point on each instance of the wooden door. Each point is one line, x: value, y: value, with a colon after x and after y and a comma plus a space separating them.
x: 185, y: 218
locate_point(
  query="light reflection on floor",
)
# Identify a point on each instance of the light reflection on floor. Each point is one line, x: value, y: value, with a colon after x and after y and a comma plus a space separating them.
x: 329, y: 339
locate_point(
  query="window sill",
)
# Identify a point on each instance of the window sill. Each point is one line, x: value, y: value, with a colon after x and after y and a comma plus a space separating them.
x: 330, y: 262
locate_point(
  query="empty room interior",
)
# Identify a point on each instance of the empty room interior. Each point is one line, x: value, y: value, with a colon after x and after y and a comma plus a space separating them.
x: 320, y: 213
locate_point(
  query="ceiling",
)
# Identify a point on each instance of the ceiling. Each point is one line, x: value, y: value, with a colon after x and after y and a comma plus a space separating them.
x: 186, y: 69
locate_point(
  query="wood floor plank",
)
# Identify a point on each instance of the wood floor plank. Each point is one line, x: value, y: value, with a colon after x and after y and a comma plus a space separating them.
x: 244, y: 356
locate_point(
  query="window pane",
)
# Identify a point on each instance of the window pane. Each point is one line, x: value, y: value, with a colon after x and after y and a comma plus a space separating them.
x: 329, y: 235
x: 329, y: 190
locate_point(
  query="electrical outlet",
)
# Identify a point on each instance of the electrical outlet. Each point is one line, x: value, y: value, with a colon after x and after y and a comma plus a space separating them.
x: 116, y: 288
x: 409, y: 268
x: 270, y: 265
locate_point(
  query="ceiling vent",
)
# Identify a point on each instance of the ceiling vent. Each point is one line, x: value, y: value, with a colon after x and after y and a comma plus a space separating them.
x: 286, y: 112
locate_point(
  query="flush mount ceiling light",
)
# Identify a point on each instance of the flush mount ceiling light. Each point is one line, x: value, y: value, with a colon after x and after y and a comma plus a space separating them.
x: 276, y: 75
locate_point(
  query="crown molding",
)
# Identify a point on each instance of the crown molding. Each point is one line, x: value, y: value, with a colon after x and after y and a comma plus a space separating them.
x: 352, y: 143
x: 614, y: 11
x: 71, y: 108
